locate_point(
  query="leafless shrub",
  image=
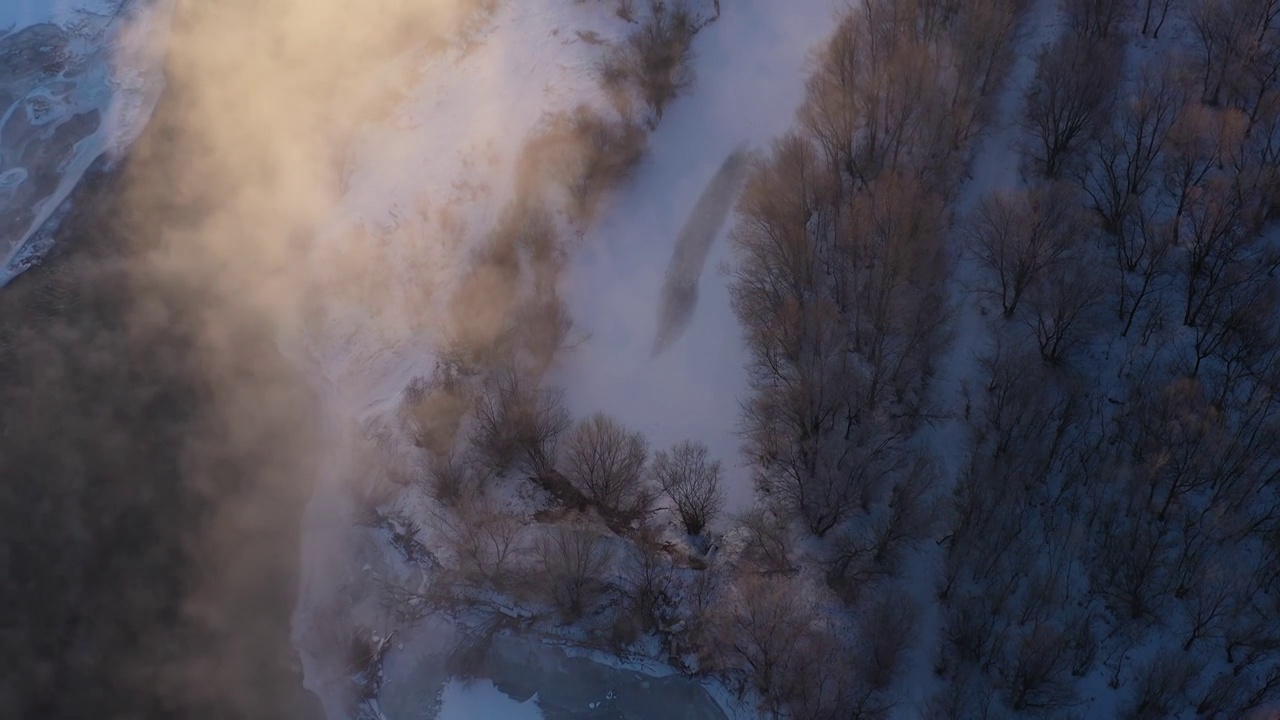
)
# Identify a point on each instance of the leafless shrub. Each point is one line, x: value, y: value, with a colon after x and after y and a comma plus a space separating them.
x: 887, y: 630
x: 485, y: 538
x: 692, y: 482
x: 517, y: 425
x: 1160, y: 690
x: 1061, y: 309
x: 409, y: 605
x: 651, y: 585
x: 598, y: 154
x: 703, y: 607
x: 1035, y: 670
x: 770, y: 623
x: 1069, y: 99
x: 657, y: 58
x: 369, y: 497
x: 824, y: 679
x: 573, y: 562
x: 405, y: 537
x: 768, y: 541
x: 866, y: 551
x: 449, y: 478
x: 606, y: 462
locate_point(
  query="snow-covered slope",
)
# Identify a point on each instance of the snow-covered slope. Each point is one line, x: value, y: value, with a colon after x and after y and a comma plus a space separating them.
x: 77, y: 80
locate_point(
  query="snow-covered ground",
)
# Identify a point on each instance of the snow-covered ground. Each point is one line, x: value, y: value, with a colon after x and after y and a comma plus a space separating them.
x: 480, y: 700
x: 751, y: 72
x: 80, y: 78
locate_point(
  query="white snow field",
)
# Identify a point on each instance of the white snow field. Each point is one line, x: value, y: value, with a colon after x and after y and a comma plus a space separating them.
x: 79, y: 79
x: 750, y: 81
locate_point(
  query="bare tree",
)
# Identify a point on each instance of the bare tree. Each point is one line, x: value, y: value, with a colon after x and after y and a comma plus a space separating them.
x: 1017, y: 237
x: 985, y: 39
x: 879, y: 99
x: 1060, y: 310
x: 1154, y: 13
x: 573, y: 562
x: 1121, y: 166
x: 1069, y: 99
x: 799, y: 368
x: 824, y: 678
x: 1141, y: 253
x: 1238, y: 50
x: 1225, y: 258
x: 1096, y: 19
x: 1162, y: 685
x: 1124, y: 179
x: 692, y: 481
x: 767, y: 541
x: 704, y: 611
x: 651, y: 585
x: 890, y: 290
x: 1036, y: 669
x: 1199, y: 142
x: 770, y: 622
x: 517, y: 425
x: 865, y: 551
x: 887, y: 631
x: 607, y: 463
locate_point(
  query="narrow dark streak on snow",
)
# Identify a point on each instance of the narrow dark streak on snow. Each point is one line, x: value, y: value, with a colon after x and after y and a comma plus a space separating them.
x: 680, y: 288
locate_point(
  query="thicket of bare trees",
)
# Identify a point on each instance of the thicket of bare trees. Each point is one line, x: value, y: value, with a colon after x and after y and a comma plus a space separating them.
x: 840, y: 285
x: 1115, y: 488
x: 841, y: 271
